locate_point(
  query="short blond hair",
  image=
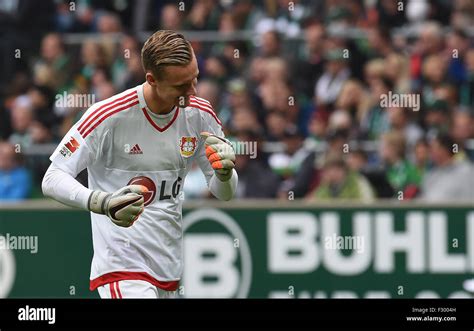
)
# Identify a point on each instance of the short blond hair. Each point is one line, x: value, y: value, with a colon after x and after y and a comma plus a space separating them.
x: 163, y: 48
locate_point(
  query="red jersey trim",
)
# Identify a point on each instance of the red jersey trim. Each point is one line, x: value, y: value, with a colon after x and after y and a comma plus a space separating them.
x: 103, y: 118
x: 117, y: 287
x: 155, y: 125
x: 206, y: 107
x: 127, y: 275
x: 105, y: 107
x: 112, y: 291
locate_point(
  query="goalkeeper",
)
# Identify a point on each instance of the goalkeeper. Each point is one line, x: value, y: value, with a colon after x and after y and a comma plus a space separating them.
x: 138, y: 147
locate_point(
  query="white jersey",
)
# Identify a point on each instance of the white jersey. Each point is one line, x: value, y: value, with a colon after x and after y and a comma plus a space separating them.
x: 119, y: 139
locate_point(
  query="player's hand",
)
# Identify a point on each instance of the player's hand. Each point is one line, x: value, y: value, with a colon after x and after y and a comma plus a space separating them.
x: 123, y: 207
x: 220, y: 154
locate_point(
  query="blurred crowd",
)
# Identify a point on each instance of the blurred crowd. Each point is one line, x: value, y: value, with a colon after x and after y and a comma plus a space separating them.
x: 305, y: 85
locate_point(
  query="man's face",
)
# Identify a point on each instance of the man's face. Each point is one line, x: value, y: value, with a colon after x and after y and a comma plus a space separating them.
x: 387, y: 152
x: 176, y: 83
x: 334, y: 175
x: 438, y: 153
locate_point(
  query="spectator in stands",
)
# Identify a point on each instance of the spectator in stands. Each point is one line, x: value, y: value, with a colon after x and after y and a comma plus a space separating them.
x: 396, y: 69
x: 340, y: 182
x: 121, y: 68
x: 244, y: 118
x: 380, y: 42
x: 256, y: 180
x: 21, y: 119
x: 217, y: 68
x: 209, y: 90
x: 340, y: 120
x: 15, y: 182
x: 288, y: 162
x: 389, y: 15
x: 204, y: 15
x: 53, y: 69
x: 133, y: 74
x: 436, y: 118
x: 5, y: 125
x: 354, y: 99
x: 376, y: 122
x: 171, y: 17
x: 401, y: 174
x: 421, y: 156
x: 463, y: 14
x: 449, y: 180
x: 42, y: 100
x: 270, y: 44
x: 275, y: 126
x: 234, y: 96
x: 434, y: 75
x: 400, y: 119
x: 457, y: 48
x: 93, y: 56
x: 307, y: 177
x: 357, y: 160
x: 374, y: 70
x: 101, y: 86
x: 330, y: 84
x: 317, y: 129
x: 310, y: 63
x: 429, y: 42
x: 466, y: 91
x: 236, y: 53
x: 462, y: 129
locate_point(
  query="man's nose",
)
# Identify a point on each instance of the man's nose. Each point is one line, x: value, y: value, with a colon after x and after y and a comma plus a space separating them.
x: 192, y: 89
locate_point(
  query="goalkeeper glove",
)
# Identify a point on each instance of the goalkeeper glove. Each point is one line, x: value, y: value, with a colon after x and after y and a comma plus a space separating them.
x: 123, y: 207
x: 220, y: 154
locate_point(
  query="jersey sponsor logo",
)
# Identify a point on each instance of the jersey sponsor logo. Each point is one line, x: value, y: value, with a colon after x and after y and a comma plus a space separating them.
x: 136, y: 150
x: 187, y: 146
x: 70, y: 147
x: 149, y: 184
x: 168, y: 189
x: 166, y: 194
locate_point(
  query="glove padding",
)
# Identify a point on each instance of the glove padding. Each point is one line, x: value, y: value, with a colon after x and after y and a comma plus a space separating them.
x: 123, y: 207
x: 220, y: 154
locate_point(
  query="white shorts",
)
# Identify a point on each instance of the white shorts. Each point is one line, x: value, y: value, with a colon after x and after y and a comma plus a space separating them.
x: 129, y: 289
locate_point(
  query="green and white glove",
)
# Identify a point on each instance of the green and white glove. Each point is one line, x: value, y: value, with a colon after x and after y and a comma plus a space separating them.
x: 220, y: 154
x: 123, y: 207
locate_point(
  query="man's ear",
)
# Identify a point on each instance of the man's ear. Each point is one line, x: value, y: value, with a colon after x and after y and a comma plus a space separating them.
x: 150, y: 79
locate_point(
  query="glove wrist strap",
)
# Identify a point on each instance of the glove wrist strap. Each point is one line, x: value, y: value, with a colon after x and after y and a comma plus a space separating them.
x: 224, y: 177
x: 97, y: 202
